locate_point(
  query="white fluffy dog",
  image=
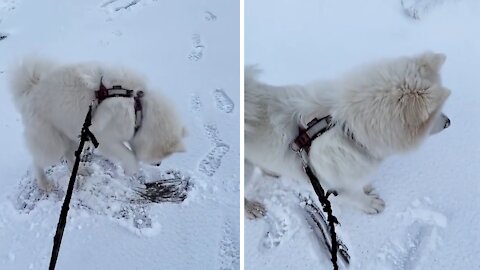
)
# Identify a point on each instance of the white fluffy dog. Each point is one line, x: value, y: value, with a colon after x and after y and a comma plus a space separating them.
x: 378, y: 110
x: 54, y: 99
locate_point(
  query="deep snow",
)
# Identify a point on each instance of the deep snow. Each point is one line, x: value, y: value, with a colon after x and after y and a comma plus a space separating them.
x: 189, y: 50
x: 432, y: 212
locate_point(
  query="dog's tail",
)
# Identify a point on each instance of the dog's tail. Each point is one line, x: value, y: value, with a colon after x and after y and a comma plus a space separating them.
x: 253, y: 91
x: 27, y: 74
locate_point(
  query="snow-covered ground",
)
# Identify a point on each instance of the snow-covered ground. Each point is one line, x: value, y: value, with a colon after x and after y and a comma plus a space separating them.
x: 432, y: 195
x: 190, y: 50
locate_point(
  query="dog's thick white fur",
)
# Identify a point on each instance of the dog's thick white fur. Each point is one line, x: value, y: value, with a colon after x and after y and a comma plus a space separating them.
x: 389, y: 107
x: 54, y: 99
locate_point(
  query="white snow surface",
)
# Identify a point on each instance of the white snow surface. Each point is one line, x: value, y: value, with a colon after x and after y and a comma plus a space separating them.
x: 432, y: 195
x: 190, y: 50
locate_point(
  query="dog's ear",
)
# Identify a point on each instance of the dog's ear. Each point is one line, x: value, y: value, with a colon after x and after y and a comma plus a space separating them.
x: 432, y: 61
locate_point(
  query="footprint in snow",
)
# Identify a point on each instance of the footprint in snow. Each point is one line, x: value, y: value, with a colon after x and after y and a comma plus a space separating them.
x: 229, y: 249
x: 118, y: 5
x: 421, y: 236
x: 209, y: 16
x: 275, y: 234
x: 213, y: 160
x: 195, y: 103
x: 212, y: 133
x: 419, y: 242
x: 416, y: 9
x: 278, y: 219
x: 223, y: 102
x: 196, y: 53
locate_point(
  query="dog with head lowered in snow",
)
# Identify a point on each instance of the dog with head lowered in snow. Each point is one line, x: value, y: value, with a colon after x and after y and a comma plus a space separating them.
x: 378, y: 110
x: 53, y: 100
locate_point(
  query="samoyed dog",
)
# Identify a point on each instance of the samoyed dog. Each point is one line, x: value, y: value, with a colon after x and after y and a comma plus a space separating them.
x: 54, y: 99
x: 378, y: 110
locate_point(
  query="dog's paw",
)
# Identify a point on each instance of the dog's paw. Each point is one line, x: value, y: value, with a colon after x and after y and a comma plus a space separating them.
x: 373, y: 204
x: 130, y: 168
x: 254, y: 209
x: 85, y: 171
x: 45, y: 185
x: 368, y: 189
x: 139, y: 177
x: 80, y: 182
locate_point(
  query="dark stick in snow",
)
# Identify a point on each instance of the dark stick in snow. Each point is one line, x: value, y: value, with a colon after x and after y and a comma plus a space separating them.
x: 171, y: 189
x: 318, y: 222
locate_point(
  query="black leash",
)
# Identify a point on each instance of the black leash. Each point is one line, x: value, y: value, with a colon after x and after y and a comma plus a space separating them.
x: 327, y: 208
x: 85, y: 136
x: 301, y: 145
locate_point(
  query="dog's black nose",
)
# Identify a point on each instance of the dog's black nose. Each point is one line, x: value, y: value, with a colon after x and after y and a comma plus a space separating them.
x: 447, y: 123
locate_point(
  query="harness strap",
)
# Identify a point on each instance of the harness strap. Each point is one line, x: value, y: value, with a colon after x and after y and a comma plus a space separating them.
x: 118, y: 91
x: 138, y: 110
x: 103, y: 94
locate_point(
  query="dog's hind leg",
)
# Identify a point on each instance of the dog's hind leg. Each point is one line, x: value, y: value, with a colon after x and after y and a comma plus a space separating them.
x: 253, y: 209
x: 47, y: 146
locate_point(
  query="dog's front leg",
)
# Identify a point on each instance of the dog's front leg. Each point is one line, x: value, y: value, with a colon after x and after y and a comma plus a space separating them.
x: 42, y: 181
x: 118, y: 151
x: 253, y: 209
x: 363, y: 198
x: 70, y: 158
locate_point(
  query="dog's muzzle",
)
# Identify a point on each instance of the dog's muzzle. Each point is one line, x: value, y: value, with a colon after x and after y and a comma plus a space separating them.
x: 447, y: 121
x: 442, y: 122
